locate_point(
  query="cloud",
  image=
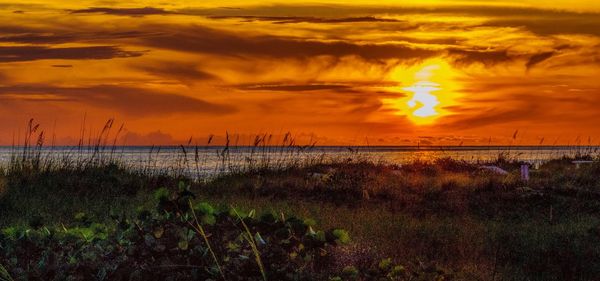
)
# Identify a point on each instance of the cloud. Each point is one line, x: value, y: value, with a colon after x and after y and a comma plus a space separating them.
x: 292, y: 19
x: 548, y: 102
x: 37, y: 36
x: 492, y: 116
x: 200, y: 39
x: 12, y: 29
x: 312, y: 109
x: 130, y: 101
x: 123, y: 11
x: 451, y: 40
x: 553, y: 25
x: 32, y: 53
x: 538, y: 58
x: 356, y: 87
x: 293, y: 87
x: 491, y: 58
x: 182, y: 71
x: 543, y: 21
x: 348, y: 11
x: 488, y: 58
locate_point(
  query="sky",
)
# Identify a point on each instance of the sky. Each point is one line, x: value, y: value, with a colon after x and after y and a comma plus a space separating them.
x: 333, y: 72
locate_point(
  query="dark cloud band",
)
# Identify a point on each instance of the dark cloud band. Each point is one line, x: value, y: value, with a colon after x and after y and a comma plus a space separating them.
x: 32, y: 53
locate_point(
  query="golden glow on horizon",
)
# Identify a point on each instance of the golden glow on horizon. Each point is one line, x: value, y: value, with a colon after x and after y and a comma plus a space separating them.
x: 431, y: 89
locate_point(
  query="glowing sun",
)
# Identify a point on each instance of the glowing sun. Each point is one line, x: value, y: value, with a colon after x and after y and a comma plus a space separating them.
x: 431, y: 88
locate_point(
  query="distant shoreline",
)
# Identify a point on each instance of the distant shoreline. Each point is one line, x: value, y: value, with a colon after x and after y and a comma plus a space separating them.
x: 334, y: 147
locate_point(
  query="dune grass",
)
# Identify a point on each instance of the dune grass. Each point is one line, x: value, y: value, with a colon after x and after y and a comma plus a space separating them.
x: 444, y: 215
x: 478, y: 225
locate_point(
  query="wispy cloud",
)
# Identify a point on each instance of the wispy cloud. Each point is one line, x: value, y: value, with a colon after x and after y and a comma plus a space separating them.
x: 32, y: 53
x: 201, y: 39
x: 182, y: 71
x: 292, y: 19
x: 127, y: 100
x: 293, y: 87
x: 57, y: 36
x: 123, y: 11
x: 485, y: 57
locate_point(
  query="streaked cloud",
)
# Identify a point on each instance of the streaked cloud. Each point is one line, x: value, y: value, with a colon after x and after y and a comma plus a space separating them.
x: 122, y: 11
x: 136, y: 102
x: 31, y: 53
x: 198, y: 39
x: 289, y: 20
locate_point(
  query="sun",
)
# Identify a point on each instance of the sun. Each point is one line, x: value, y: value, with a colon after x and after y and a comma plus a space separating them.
x: 430, y: 90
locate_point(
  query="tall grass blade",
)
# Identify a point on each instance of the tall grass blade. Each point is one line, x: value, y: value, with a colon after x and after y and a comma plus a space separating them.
x: 4, y: 276
x: 198, y: 227
x: 248, y: 236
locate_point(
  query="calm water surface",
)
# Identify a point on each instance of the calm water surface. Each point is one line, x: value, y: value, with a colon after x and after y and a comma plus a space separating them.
x: 212, y: 160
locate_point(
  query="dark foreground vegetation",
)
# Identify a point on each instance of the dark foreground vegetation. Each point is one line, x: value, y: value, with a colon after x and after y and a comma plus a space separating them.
x: 347, y: 220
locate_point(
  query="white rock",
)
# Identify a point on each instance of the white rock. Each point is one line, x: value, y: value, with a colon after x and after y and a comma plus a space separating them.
x: 494, y: 169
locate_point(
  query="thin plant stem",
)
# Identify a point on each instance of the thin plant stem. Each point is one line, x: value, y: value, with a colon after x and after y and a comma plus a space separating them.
x: 252, y: 243
x: 4, y: 276
x: 202, y: 233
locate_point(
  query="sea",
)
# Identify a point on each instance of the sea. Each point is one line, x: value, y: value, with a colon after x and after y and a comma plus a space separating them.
x: 213, y: 160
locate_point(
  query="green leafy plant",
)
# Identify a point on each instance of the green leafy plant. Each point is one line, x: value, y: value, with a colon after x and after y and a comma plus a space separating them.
x: 183, y: 241
x: 4, y: 275
x: 341, y: 236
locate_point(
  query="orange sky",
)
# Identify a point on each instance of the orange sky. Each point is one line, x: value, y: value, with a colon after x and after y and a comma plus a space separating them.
x: 339, y: 72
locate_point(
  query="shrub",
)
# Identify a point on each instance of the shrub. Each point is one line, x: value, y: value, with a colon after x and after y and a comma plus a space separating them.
x: 168, y: 243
